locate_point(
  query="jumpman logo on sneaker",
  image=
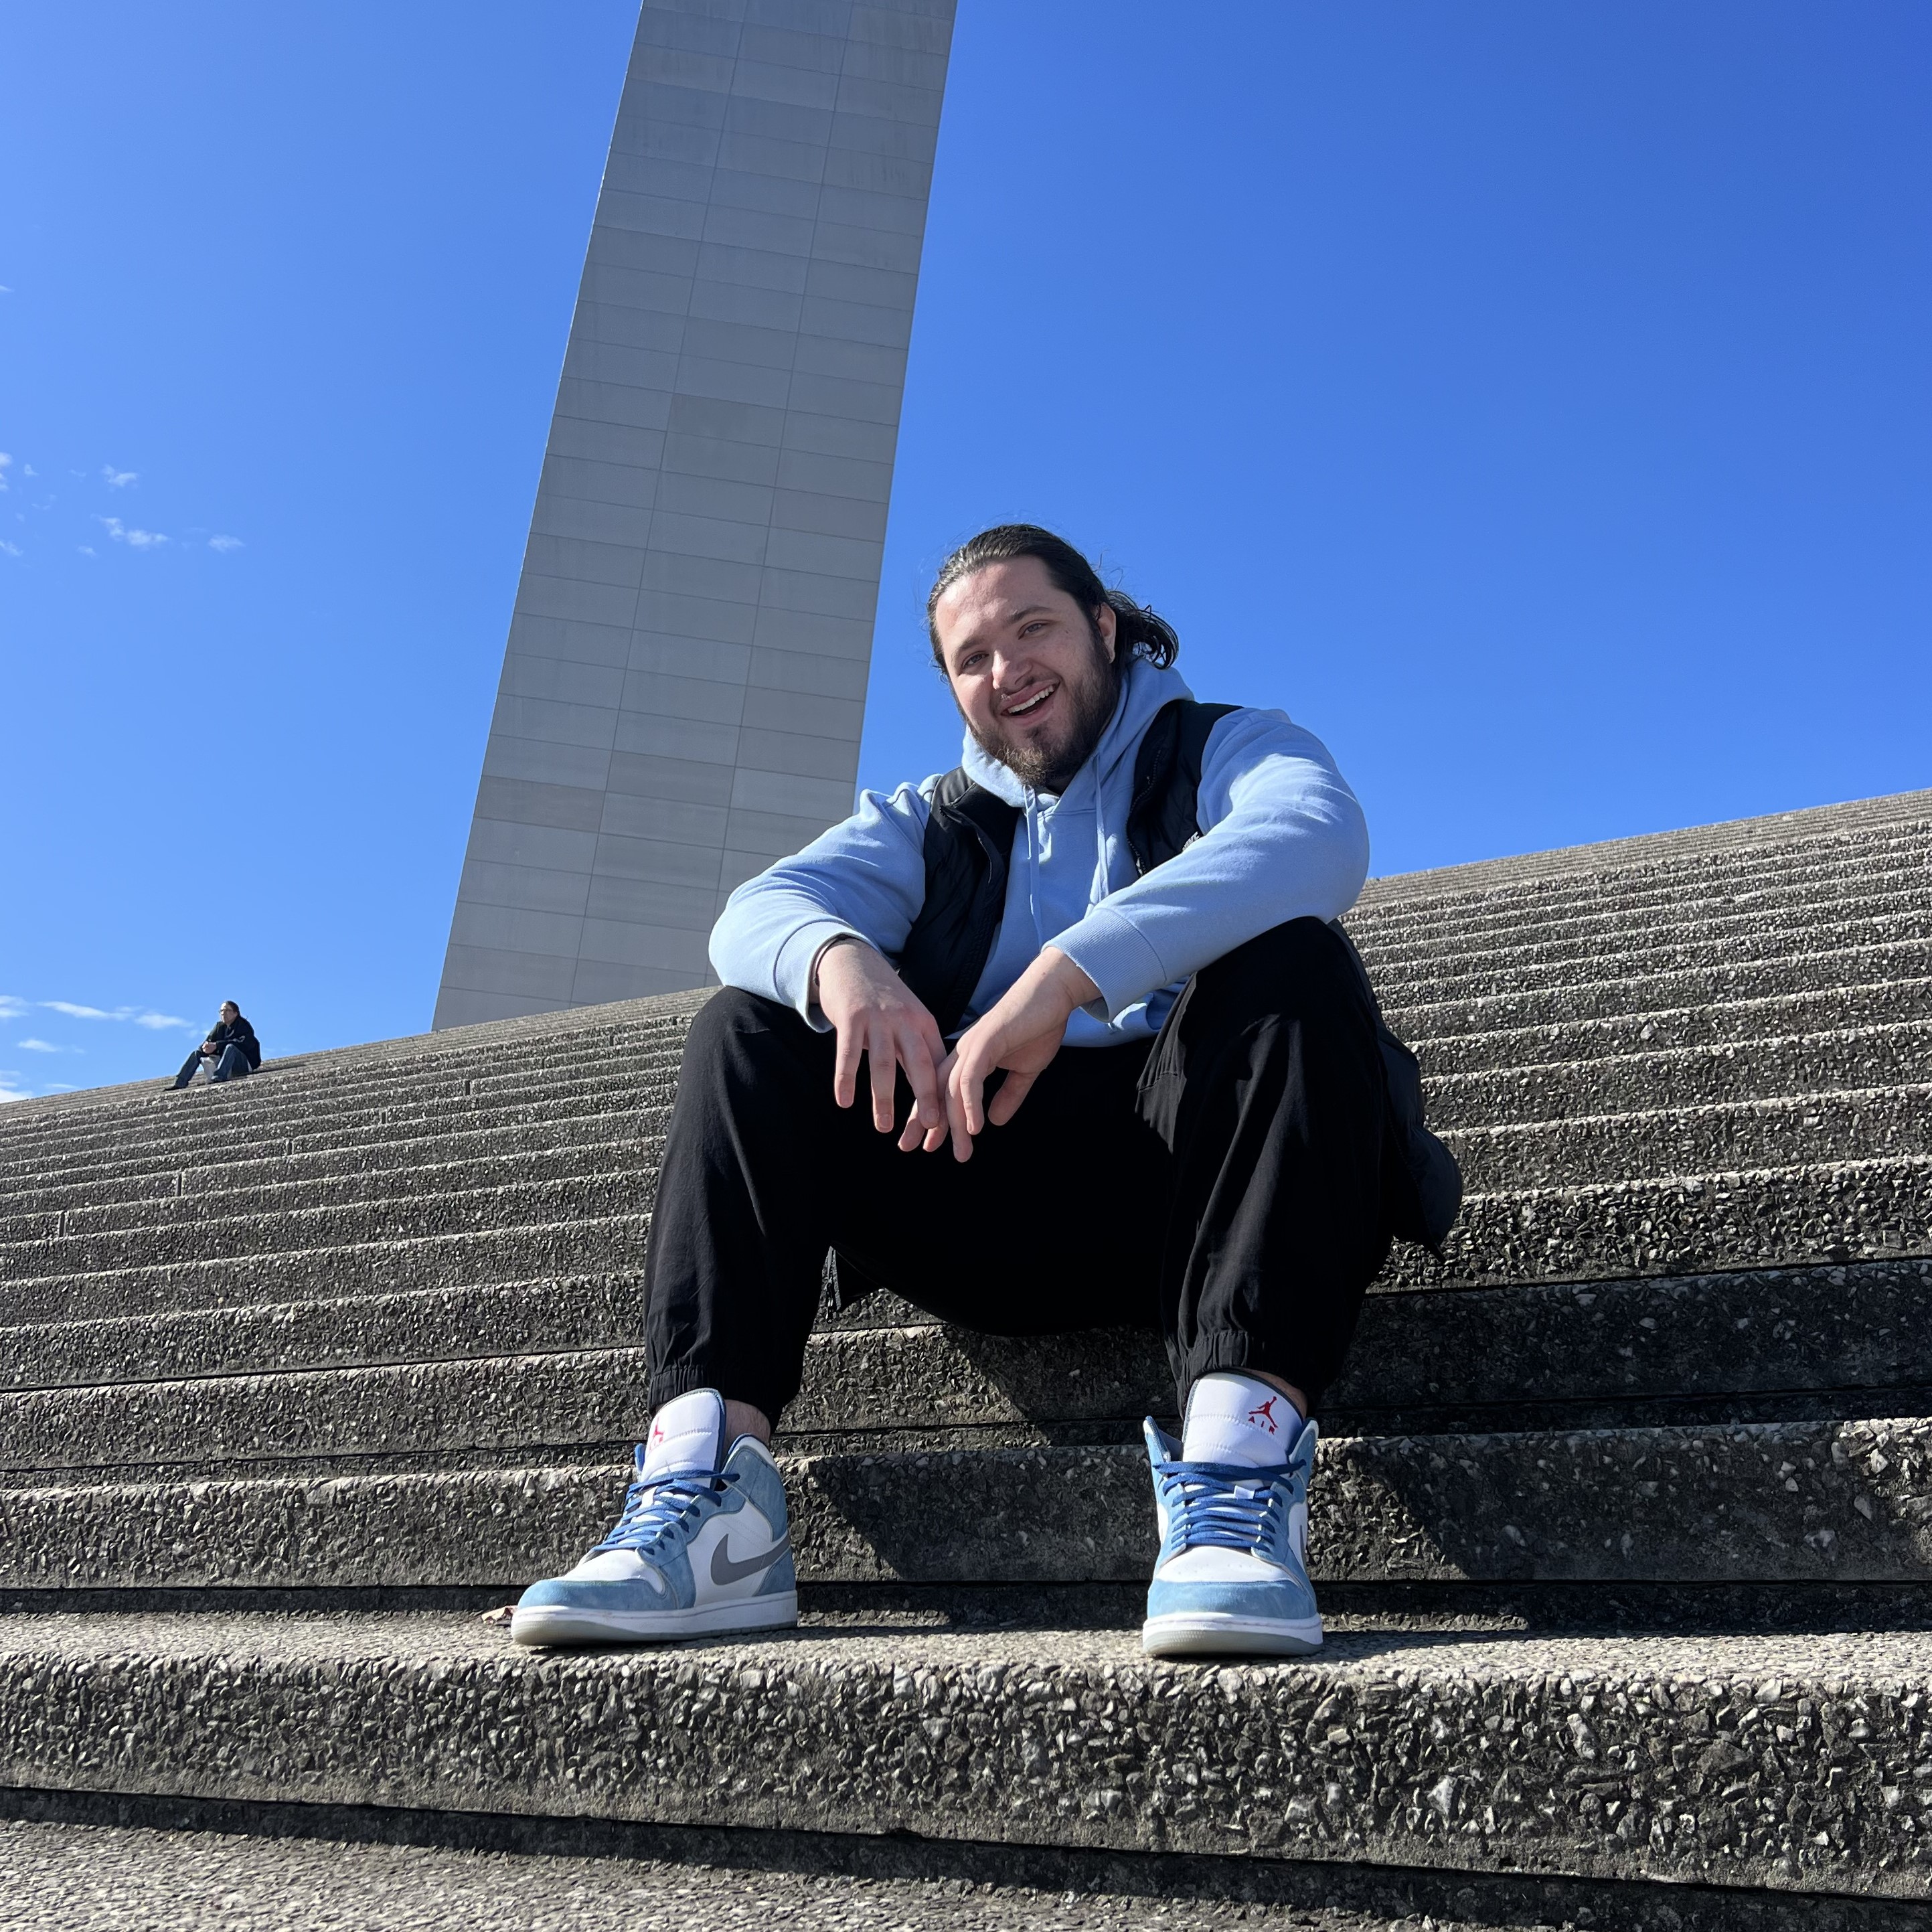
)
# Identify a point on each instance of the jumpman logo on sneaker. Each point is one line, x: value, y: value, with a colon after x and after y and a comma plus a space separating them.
x: 1263, y: 1417
x: 657, y: 1434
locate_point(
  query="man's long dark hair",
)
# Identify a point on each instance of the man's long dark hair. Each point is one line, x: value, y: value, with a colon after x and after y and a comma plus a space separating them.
x: 1138, y: 632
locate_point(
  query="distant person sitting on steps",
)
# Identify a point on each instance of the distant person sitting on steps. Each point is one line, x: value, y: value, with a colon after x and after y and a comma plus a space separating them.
x: 1115, y: 870
x: 230, y: 1049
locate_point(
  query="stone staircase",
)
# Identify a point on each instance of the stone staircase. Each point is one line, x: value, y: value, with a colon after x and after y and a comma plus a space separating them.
x: 1622, y: 1525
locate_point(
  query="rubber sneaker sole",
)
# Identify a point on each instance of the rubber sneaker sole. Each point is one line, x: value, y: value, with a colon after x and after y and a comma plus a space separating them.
x: 1204, y: 1634
x: 562, y: 1623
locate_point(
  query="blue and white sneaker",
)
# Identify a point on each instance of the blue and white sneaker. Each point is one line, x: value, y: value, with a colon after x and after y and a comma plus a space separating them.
x: 703, y: 1546
x: 1231, y: 1580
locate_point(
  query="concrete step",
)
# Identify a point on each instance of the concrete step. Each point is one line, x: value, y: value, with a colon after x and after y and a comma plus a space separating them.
x: 1588, y: 964
x: 635, y: 1088
x: 1695, y: 1224
x: 273, y: 1100
x: 623, y: 1154
x: 538, y: 1403
x: 1485, y: 1358
x: 315, y: 1101
x: 1819, y: 1503
x: 1590, y: 1150
x: 401, y: 1218
x: 1787, y: 1764
x: 1424, y: 1015
x: 1729, y: 1131
x: 532, y: 1134
x: 228, y: 1126
x: 359, y: 1080
x: 1646, y: 1077
x: 1791, y: 1129
x: 207, y: 1122
x: 1709, y: 855
x: 411, y: 1132
x: 1799, y: 924
x: 1782, y: 1016
x: 1770, y: 1217
x: 534, y: 1253
x: 141, y: 1151
x: 1769, y: 1345
x: 1619, y: 1352
x: 221, y: 1863
x: 369, y: 1071
x: 1777, y: 888
x: 568, y: 1312
x: 1789, y: 1064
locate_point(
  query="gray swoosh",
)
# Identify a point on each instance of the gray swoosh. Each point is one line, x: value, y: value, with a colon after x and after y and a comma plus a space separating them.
x: 724, y: 1570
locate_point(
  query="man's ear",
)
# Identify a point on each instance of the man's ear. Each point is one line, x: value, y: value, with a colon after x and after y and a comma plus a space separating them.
x: 1105, y: 622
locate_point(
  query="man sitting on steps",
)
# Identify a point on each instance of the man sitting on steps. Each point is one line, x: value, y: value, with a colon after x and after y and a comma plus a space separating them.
x: 1207, y: 1157
x: 230, y: 1051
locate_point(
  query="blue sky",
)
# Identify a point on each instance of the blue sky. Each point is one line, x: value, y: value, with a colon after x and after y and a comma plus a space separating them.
x: 1533, y: 400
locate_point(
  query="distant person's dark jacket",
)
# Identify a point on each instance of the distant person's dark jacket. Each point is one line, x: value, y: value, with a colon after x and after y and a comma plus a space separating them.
x: 236, y: 1032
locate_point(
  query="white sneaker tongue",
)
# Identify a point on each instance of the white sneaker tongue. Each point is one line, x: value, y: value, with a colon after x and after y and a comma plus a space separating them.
x: 686, y: 1434
x: 1233, y: 1419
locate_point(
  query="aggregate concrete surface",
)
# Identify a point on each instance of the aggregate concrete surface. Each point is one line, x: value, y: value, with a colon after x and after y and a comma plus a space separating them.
x: 1801, y: 1763
x: 1821, y: 1501
x: 64, y: 1878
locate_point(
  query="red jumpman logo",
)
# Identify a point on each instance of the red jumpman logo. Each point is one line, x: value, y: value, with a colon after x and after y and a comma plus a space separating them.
x: 657, y: 1432
x: 1264, y: 1415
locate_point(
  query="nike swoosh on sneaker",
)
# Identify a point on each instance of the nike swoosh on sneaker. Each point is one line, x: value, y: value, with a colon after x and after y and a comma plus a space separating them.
x: 724, y: 1570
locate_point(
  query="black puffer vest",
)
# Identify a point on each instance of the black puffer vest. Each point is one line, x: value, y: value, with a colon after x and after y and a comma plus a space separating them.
x: 969, y: 841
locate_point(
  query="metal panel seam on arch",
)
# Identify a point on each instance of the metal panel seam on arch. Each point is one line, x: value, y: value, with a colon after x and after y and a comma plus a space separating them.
x: 685, y: 682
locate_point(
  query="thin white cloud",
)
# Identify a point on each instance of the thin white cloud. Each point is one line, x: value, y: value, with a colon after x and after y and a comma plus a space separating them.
x: 6, y: 463
x: 28, y: 469
x: 224, y: 543
x: 87, y: 550
x: 39, y: 1045
x: 119, y: 479
x: 11, y: 1008
x: 142, y: 1016
x: 11, y: 549
x: 59, y: 1087
x: 134, y: 539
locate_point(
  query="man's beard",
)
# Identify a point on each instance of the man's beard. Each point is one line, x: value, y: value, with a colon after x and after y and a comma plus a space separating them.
x: 1051, y: 767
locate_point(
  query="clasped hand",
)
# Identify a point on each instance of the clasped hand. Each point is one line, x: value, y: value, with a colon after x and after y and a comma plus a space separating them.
x: 878, y: 1018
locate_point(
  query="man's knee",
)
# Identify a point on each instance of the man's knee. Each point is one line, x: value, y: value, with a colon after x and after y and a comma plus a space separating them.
x: 735, y: 1033
x: 1301, y: 967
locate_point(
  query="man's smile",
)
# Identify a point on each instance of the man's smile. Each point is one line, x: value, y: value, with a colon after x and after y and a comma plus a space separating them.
x: 1028, y: 705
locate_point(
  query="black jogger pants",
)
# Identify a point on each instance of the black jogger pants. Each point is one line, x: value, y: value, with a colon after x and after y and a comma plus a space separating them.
x: 1221, y: 1183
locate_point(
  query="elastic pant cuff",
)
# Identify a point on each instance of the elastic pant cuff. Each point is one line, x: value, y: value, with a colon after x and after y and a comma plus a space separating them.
x: 1249, y: 1354
x: 668, y: 1384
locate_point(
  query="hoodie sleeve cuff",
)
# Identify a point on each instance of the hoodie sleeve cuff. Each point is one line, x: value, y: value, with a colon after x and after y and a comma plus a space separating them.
x: 791, y: 974
x: 1112, y: 951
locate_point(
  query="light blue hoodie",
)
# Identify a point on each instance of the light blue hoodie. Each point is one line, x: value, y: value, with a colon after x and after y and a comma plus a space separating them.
x: 1283, y: 838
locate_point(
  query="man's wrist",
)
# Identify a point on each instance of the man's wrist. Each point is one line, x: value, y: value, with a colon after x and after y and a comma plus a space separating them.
x: 818, y: 960
x: 1071, y: 980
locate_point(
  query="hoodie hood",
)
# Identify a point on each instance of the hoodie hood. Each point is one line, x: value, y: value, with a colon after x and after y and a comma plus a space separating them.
x: 1145, y: 689
x: 1069, y: 851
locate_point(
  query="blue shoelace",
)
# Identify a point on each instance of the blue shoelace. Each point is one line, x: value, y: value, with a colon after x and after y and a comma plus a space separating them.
x: 1209, y: 1506
x: 652, y: 1509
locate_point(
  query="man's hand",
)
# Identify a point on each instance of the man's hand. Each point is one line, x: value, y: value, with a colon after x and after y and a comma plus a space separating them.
x: 876, y: 1015
x: 1021, y: 1035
